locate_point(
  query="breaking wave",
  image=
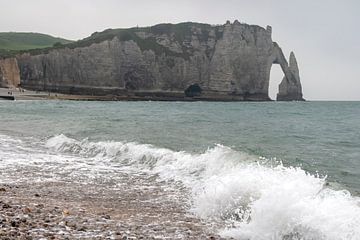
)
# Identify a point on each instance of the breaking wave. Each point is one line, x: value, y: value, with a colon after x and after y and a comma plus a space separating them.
x: 256, y: 199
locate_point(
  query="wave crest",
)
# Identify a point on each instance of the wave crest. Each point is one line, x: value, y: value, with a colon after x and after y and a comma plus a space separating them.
x: 256, y: 201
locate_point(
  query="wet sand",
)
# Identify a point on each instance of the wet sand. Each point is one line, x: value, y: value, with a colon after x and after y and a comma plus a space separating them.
x: 141, y: 208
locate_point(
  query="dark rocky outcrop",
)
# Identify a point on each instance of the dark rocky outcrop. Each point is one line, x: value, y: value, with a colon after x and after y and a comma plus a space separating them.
x: 227, y: 62
x: 9, y: 73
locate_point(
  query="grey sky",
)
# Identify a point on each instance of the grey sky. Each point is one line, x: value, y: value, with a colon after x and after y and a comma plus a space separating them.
x: 324, y: 34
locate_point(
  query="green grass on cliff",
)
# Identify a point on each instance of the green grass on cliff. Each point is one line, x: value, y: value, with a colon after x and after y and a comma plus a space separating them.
x: 26, y: 41
x: 12, y: 43
x: 182, y: 33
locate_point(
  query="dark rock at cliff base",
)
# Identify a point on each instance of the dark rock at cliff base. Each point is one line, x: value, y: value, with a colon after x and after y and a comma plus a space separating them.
x: 230, y: 61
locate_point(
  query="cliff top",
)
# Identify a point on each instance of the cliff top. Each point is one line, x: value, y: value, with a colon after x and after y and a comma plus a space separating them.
x: 180, y: 32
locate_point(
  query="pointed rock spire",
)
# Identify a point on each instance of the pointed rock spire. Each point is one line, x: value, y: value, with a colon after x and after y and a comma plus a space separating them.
x: 292, y: 61
x: 290, y: 87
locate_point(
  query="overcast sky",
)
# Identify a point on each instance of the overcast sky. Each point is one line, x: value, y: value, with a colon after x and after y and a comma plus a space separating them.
x: 324, y: 34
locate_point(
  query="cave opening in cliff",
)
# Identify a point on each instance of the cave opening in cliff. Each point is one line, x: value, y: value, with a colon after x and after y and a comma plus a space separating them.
x: 276, y: 76
x: 193, y: 90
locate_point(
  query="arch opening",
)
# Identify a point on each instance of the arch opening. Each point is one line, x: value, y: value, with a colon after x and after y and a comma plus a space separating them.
x: 276, y: 76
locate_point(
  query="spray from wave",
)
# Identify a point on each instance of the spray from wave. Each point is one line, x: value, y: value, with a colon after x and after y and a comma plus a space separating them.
x: 255, y: 200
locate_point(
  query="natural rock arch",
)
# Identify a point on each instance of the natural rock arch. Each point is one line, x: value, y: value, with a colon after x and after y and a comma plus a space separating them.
x: 230, y: 62
x: 290, y: 87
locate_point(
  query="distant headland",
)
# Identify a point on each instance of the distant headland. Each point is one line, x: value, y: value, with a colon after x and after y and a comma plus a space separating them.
x: 186, y: 61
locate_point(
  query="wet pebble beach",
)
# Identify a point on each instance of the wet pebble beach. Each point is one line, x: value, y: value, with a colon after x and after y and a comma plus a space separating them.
x: 139, y: 209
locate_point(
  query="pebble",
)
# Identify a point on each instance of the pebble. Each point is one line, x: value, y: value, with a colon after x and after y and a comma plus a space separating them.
x: 25, y: 217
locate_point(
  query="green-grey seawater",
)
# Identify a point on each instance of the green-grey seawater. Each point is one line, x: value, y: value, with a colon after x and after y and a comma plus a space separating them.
x: 321, y: 137
x: 270, y: 170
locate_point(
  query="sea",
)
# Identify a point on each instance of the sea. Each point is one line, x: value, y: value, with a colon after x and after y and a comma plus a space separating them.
x: 267, y: 170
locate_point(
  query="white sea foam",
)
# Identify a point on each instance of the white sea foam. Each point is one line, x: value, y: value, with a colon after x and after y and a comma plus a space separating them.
x: 256, y: 200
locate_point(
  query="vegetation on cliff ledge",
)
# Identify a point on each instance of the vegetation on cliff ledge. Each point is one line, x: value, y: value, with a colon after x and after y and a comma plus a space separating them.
x: 14, y: 42
x: 26, y: 41
x: 181, y: 33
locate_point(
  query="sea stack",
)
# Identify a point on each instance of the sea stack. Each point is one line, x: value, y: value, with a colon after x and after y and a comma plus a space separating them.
x: 290, y: 87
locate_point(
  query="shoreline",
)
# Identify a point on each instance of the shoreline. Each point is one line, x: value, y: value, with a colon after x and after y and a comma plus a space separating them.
x: 22, y: 94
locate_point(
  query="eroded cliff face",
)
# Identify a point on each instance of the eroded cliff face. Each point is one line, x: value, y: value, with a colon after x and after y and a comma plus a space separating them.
x: 230, y: 61
x: 9, y: 73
